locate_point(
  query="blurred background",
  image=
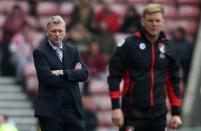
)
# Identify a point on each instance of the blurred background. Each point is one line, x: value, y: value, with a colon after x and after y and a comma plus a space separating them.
x: 96, y: 27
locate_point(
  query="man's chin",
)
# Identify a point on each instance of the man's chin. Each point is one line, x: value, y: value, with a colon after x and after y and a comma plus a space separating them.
x: 155, y: 33
x: 57, y: 42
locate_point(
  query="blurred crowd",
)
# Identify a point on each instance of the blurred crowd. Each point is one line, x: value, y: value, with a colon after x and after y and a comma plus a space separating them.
x: 95, y: 26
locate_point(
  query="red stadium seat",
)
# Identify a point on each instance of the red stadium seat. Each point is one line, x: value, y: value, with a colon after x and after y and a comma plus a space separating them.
x: 43, y: 22
x: 104, y: 118
x: 98, y: 86
x: 31, y: 82
x: 66, y: 8
x: 119, y: 9
x: 190, y: 25
x: 170, y: 11
x: 2, y: 20
x: 6, y: 6
x: 185, y: 23
x: 138, y: 1
x: 24, y: 5
x: 165, y: 1
x: 97, y: 7
x: 196, y: 2
x: 102, y: 102
x: 189, y: 11
x: 170, y: 24
x: 139, y: 8
x: 31, y: 85
x: 47, y: 8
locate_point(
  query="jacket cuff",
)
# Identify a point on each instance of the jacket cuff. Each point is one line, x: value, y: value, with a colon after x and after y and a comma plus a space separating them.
x: 176, y: 111
x: 115, y: 104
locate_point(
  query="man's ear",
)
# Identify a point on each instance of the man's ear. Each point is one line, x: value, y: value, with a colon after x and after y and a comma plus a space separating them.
x: 47, y: 33
x: 164, y: 22
x: 142, y: 21
x: 64, y: 32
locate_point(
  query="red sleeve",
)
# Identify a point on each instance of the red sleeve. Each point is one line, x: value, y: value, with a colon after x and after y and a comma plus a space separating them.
x: 173, y: 95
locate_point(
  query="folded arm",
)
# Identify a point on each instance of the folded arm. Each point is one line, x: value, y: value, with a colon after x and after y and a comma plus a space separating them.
x: 78, y: 74
x: 44, y: 73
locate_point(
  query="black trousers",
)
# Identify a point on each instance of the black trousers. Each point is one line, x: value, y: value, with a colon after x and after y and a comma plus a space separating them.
x: 71, y: 123
x: 145, y: 124
x: 142, y: 128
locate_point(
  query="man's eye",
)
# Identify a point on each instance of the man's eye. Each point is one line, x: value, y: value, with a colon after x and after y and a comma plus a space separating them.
x: 53, y: 31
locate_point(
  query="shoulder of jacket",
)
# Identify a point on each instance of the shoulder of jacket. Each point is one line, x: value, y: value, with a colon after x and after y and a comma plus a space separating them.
x: 39, y: 50
x: 135, y: 37
x: 168, y: 43
x: 170, y: 48
x: 41, y: 46
x: 70, y: 46
x: 131, y: 39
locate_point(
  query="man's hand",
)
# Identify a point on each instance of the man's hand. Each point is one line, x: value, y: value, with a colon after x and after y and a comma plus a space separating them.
x: 175, y: 122
x: 117, y: 117
x: 57, y: 72
x: 78, y: 66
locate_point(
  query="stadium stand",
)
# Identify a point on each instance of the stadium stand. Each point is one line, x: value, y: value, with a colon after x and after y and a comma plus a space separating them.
x: 47, y: 8
x: 14, y: 103
x: 185, y: 13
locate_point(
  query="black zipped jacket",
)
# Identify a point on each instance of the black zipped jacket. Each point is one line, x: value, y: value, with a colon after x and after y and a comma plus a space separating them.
x: 149, y: 72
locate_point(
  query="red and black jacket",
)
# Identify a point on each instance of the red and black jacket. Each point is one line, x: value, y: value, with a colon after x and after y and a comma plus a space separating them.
x: 150, y: 71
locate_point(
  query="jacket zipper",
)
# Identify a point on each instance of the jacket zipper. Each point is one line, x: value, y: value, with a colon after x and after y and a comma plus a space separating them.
x: 152, y: 76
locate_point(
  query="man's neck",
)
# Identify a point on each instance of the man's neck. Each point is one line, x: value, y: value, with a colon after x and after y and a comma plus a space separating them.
x: 55, y: 45
x: 152, y: 38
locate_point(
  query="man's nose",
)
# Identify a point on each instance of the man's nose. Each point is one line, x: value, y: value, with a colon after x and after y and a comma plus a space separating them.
x: 154, y: 23
x: 57, y: 33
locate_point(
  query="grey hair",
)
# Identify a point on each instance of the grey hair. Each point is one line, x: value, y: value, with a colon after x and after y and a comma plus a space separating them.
x: 56, y: 20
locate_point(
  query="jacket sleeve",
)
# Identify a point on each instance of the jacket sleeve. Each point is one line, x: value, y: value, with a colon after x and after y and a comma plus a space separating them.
x: 45, y: 76
x: 117, y: 65
x: 172, y: 84
x: 77, y: 75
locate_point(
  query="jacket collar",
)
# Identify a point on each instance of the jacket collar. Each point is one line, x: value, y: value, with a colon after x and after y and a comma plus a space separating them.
x: 141, y: 35
x: 55, y: 47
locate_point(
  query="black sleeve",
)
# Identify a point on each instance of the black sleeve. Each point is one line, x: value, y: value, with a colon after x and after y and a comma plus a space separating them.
x: 77, y: 75
x: 117, y: 67
x: 173, y: 82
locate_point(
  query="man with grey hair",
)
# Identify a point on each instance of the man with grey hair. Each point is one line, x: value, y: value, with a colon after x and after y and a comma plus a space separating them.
x: 59, y: 68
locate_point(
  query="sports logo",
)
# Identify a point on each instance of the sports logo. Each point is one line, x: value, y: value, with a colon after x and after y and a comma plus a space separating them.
x: 161, y: 47
x: 142, y: 46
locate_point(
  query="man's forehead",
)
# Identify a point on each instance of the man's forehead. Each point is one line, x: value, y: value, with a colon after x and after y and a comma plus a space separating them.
x: 55, y: 24
x: 154, y: 14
